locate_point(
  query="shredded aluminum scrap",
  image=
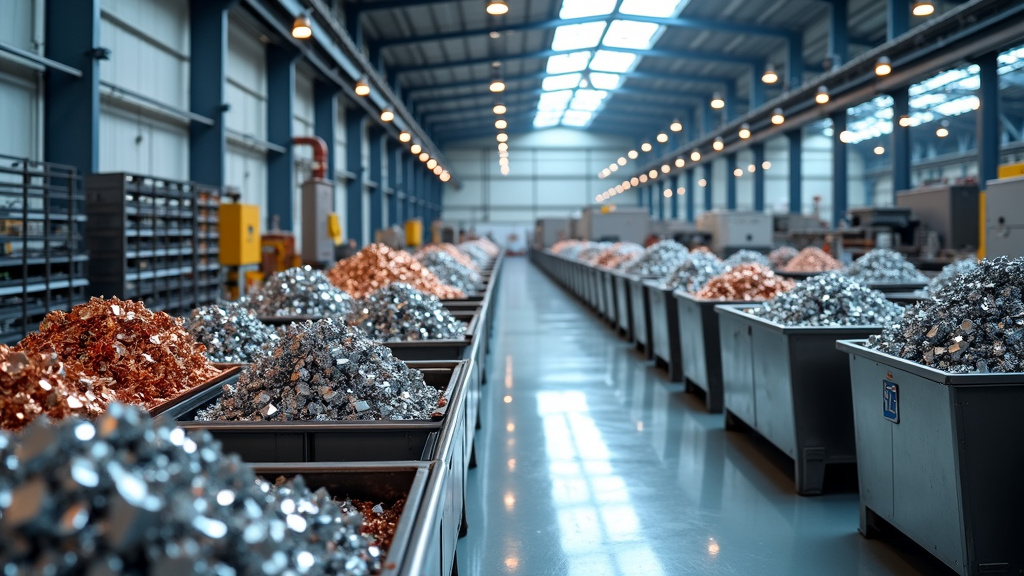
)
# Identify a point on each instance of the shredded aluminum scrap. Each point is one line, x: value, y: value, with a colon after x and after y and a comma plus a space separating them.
x: 747, y: 257
x: 949, y: 273
x: 884, y: 266
x: 829, y: 299
x: 618, y: 253
x: 658, y: 260
x: 231, y: 332
x: 781, y: 256
x: 475, y: 251
x: 324, y: 371
x: 591, y: 252
x: 696, y: 270
x: 450, y: 271
x: 299, y: 292
x: 127, y: 496
x: 399, y: 312
x: 973, y: 325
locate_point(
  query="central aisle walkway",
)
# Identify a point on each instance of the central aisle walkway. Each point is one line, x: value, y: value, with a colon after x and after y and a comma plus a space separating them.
x: 592, y: 464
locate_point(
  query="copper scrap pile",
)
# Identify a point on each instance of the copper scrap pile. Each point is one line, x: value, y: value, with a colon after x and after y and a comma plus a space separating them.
x: 454, y: 252
x: 378, y: 265
x: 34, y: 382
x: 148, y: 355
x: 563, y: 245
x: 617, y: 254
x: 746, y: 282
x: 812, y: 259
x: 379, y: 522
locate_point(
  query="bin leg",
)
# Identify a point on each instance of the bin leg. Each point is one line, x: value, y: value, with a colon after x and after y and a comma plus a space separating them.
x: 675, y: 371
x: 715, y: 405
x: 732, y: 423
x: 472, y: 455
x: 810, y: 471
x: 868, y: 523
x: 464, y: 528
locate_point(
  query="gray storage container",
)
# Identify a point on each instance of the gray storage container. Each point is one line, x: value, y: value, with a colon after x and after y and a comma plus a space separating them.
x: 939, y: 458
x: 664, y: 329
x: 610, y: 302
x: 623, y: 303
x: 791, y: 385
x: 641, y: 310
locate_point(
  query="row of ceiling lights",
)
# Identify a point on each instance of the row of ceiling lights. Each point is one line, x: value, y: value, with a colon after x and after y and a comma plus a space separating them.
x: 497, y: 86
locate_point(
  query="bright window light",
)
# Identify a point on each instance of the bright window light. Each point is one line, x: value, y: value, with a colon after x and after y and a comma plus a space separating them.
x: 603, y: 81
x: 565, y: 63
x: 554, y: 101
x: 588, y: 100
x: 627, y: 34
x: 607, y: 61
x: 582, y: 8
x: 577, y: 118
x: 578, y: 36
x: 562, y: 82
x: 654, y: 8
x: 546, y: 120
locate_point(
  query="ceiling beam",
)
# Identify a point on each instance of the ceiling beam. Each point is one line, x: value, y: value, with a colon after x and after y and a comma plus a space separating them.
x: 640, y: 75
x: 678, y: 95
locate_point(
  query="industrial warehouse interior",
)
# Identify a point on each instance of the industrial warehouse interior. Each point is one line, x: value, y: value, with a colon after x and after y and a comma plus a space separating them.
x: 511, y: 287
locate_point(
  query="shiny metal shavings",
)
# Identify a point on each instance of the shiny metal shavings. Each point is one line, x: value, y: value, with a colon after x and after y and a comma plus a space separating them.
x: 884, y: 266
x: 781, y: 256
x: 450, y: 271
x: 696, y: 270
x: 452, y: 251
x: 325, y: 371
x: 974, y: 325
x: 618, y: 253
x: 949, y: 273
x: 299, y: 292
x: 398, y: 312
x: 378, y: 265
x: 591, y: 252
x: 746, y: 282
x: 562, y: 245
x: 575, y: 249
x: 476, y: 252
x: 126, y: 495
x: 659, y: 259
x: 829, y: 299
x: 747, y: 257
x: 231, y: 332
x: 810, y: 260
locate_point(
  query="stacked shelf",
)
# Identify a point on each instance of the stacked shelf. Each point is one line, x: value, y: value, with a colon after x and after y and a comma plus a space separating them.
x: 158, y: 243
x: 42, y: 249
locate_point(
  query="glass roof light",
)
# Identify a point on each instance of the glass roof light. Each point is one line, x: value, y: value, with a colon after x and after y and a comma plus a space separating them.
x: 583, y: 8
x: 631, y: 34
x: 608, y: 61
x: 565, y: 63
x: 652, y: 8
x: 561, y: 82
x: 578, y: 36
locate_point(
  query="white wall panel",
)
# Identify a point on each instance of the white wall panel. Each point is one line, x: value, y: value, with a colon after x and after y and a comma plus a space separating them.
x: 246, y: 171
x: 21, y: 96
x: 17, y: 23
x: 133, y: 143
x: 246, y: 94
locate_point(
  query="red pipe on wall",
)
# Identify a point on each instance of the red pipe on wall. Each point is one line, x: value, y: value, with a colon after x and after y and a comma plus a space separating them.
x: 319, y: 154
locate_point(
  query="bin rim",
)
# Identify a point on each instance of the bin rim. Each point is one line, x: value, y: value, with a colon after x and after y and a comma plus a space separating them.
x: 229, y: 372
x: 857, y: 348
x: 851, y: 331
x: 680, y: 293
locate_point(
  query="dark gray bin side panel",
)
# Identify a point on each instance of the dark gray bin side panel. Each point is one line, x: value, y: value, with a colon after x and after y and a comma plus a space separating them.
x: 611, y: 299
x: 736, y: 338
x: 624, y: 312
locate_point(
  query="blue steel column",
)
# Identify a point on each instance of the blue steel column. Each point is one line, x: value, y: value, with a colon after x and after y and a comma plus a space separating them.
x: 708, y: 196
x: 730, y: 101
x: 72, y: 119
x: 280, y: 111
x: 410, y: 189
x: 839, y: 168
x: 756, y: 86
x: 674, y: 184
x: 355, y: 121
x: 376, y: 141
x: 758, y: 150
x: 796, y: 172
x: 795, y: 61
x: 690, y: 195
x: 899, y: 17
x: 730, y: 178
x: 208, y: 35
x: 838, y: 38
x: 988, y: 119
x: 639, y: 196
x: 900, y: 141
x: 394, y: 167
x: 661, y: 205
x: 325, y: 121
x: 650, y: 200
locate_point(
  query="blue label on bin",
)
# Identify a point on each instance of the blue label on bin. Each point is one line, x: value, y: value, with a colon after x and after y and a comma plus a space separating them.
x: 890, y: 401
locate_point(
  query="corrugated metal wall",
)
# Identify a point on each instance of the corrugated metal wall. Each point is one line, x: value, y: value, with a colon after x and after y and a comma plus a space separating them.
x: 246, y: 120
x: 21, y: 96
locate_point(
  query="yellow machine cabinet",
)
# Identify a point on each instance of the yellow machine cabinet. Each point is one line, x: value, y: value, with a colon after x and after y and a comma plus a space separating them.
x: 1011, y: 170
x: 414, y: 233
x: 240, y: 235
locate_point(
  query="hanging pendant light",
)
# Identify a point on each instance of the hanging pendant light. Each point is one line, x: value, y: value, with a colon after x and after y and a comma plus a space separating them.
x: 744, y: 131
x: 717, y: 102
x: 923, y: 9
x: 302, y: 27
x: 497, y: 7
x: 770, y: 76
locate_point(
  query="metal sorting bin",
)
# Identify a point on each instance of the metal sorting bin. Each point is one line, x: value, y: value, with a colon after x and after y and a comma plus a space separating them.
x: 610, y: 302
x: 664, y: 328
x: 946, y: 469
x: 418, y: 547
x: 623, y: 303
x: 791, y: 385
x: 892, y: 288
x: 701, y: 347
x: 906, y: 298
x: 641, y: 310
x: 228, y: 375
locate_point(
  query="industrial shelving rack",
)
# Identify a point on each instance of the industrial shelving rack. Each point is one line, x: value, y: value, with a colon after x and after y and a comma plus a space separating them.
x: 153, y: 240
x: 43, y: 261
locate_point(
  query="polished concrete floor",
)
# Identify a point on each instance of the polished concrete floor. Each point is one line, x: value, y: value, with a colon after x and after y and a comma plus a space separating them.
x: 591, y: 463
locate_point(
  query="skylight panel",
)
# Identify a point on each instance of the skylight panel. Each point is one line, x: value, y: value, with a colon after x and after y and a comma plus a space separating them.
x: 577, y: 118
x: 627, y: 34
x: 554, y: 101
x: 578, y: 36
x: 583, y: 8
x: 563, y: 82
x: 653, y: 8
x: 565, y: 63
x: 588, y: 100
x: 607, y: 61
x: 604, y: 81
x: 547, y: 119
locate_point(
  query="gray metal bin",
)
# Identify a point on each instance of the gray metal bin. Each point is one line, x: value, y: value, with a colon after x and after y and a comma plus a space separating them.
x: 623, y: 303
x: 611, y: 302
x: 664, y: 329
x: 791, y: 385
x: 640, y: 307
x: 939, y: 458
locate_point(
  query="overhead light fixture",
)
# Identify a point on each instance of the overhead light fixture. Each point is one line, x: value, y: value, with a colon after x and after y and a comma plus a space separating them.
x: 778, y: 117
x: 497, y: 7
x: 626, y: 185
x: 923, y: 9
x: 662, y: 138
x: 497, y: 85
x: 665, y: 168
x: 646, y: 147
x: 737, y: 172
x: 883, y: 66
x: 846, y: 136
x: 387, y: 115
x: 676, y: 126
x: 362, y: 88
x: 695, y: 156
x: 445, y: 176
x: 503, y: 161
x: 770, y: 76
x: 680, y: 191
x: 502, y: 137
x: 404, y: 136
x: 751, y: 168
x: 503, y: 147
x: 634, y: 181
x: 653, y: 174
x: 431, y: 164
x: 438, y: 170
x: 622, y: 160
x: 879, y: 150
x: 415, y: 149
x: 667, y: 193
x: 632, y: 154
x: 424, y: 157
x: 822, y: 96
x: 614, y: 167
x: 719, y: 144
x: 744, y: 131
x: 502, y: 153
x: 717, y: 102
x: 905, y: 121
x: 500, y: 124
x: 302, y: 27
x: 680, y: 162
x: 702, y: 183
x: 499, y: 109
x: 619, y: 189
x: 766, y: 165
x: 943, y: 129
x: 504, y: 170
